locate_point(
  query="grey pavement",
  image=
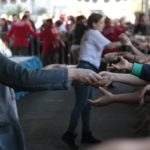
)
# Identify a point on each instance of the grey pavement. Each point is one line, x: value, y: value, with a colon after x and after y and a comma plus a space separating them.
x: 45, y: 115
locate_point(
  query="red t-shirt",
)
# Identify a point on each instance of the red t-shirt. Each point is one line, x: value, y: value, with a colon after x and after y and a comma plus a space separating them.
x: 20, y: 31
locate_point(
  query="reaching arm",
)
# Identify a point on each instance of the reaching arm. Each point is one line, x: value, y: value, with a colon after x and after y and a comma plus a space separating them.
x: 121, y: 77
x: 109, y: 98
x: 21, y: 78
x: 135, y: 50
x: 113, y: 45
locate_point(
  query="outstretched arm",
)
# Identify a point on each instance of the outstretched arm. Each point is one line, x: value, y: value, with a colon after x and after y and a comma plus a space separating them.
x: 21, y: 78
x: 109, y: 98
x: 122, y: 78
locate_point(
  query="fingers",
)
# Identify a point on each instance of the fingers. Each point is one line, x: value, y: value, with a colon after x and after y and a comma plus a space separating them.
x: 93, y: 78
x: 121, y: 58
x: 142, y: 95
x: 104, y: 91
x: 115, y: 66
x: 107, y: 78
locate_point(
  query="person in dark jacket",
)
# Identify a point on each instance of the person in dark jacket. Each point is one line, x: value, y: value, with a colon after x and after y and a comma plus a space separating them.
x: 78, y: 32
x: 13, y: 75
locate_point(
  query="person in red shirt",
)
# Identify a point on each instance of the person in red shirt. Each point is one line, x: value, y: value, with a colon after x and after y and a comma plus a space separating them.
x: 121, y: 26
x: 110, y: 32
x: 51, y: 43
x: 20, y: 30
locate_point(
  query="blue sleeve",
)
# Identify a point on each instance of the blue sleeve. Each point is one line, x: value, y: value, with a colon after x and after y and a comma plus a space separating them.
x: 145, y: 72
x: 18, y: 77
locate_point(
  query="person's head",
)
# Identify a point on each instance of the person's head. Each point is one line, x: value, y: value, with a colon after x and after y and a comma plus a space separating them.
x: 81, y: 19
x: 27, y: 13
x: 49, y: 22
x: 142, y: 18
x: 25, y: 17
x: 71, y: 19
x: 108, y: 21
x: 3, y: 21
x: 96, y: 21
x: 58, y: 23
x: 15, y: 17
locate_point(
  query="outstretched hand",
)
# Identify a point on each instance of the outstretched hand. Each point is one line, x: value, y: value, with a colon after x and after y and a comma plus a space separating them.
x: 104, y: 100
x: 122, y: 65
x: 125, y: 39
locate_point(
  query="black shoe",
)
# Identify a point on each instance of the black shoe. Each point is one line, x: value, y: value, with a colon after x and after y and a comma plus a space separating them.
x: 89, y: 139
x: 69, y: 139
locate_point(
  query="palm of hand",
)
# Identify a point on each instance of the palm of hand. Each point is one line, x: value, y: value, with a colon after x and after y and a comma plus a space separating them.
x: 123, y: 64
x: 102, y: 100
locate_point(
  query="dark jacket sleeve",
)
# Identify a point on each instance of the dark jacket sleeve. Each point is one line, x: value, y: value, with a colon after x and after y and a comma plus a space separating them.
x: 18, y: 77
x: 145, y: 73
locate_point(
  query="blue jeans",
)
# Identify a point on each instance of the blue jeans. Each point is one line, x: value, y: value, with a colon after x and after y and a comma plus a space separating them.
x: 82, y: 107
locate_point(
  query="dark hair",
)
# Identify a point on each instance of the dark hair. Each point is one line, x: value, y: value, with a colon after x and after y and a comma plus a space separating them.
x: 107, y: 20
x: 93, y: 18
x: 49, y: 21
x: 72, y: 19
x: 58, y: 23
x: 25, y: 17
x: 80, y: 18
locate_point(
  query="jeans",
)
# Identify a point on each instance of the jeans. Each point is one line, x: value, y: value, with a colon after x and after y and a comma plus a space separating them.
x: 82, y: 107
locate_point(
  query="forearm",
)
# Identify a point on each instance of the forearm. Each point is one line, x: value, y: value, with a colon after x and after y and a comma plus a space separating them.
x: 21, y: 78
x: 133, y: 97
x: 128, y: 79
x: 136, y: 51
x: 114, y: 45
x: 137, y: 58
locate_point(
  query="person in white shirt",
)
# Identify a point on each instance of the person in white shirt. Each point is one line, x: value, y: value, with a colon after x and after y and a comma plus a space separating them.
x: 92, y: 46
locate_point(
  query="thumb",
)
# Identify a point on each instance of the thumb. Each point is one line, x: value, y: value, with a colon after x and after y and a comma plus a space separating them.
x: 121, y: 58
x: 114, y: 66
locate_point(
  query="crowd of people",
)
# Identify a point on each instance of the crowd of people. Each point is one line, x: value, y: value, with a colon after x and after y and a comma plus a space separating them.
x: 104, y: 52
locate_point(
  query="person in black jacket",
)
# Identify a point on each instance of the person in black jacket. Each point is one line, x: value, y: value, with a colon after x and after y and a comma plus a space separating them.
x: 78, y: 33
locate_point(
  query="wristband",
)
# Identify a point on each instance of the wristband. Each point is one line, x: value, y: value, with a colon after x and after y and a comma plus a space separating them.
x: 136, y: 69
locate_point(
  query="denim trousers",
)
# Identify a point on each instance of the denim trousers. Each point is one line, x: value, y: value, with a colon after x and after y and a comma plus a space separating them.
x: 82, y: 108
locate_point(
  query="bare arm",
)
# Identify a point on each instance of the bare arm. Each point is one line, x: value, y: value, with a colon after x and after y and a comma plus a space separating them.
x: 128, y: 79
x: 122, y: 78
x: 109, y: 98
x: 114, y: 45
x: 135, y: 50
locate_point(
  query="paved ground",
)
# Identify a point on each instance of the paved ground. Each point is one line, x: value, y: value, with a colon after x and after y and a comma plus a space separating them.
x: 44, y: 117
